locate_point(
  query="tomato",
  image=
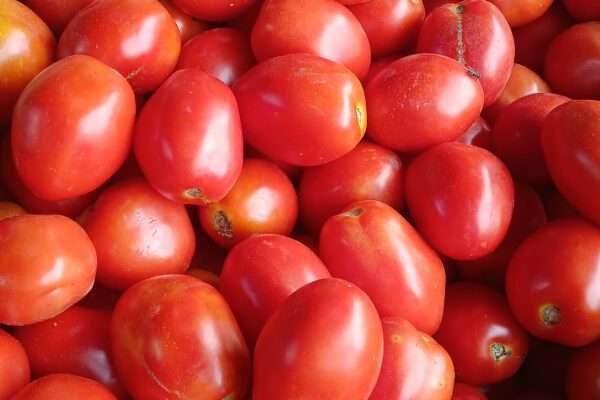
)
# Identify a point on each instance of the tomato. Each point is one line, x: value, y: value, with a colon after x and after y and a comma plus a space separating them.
x: 476, y: 34
x: 583, y: 10
x: 14, y: 366
x: 27, y: 47
x: 414, y: 365
x: 281, y: 102
x: 138, y: 38
x: 571, y: 145
x: 486, y: 343
x: 174, y: 336
x: 368, y: 172
x: 47, y: 264
x: 263, y: 200
x: 390, y: 25
x: 77, y: 115
x: 299, y: 350
x: 461, y: 198
x: 9, y: 209
x: 223, y: 53
x: 420, y: 101
x: 64, y: 387
x: 557, y: 206
x: 479, y: 134
x: 56, y: 13
x: 516, y: 136
x: 188, y: 138
x: 377, y: 66
x: 552, y: 283
x: 261, y: 272
x: 188, y: 26
x: 584, y: 373
x: 214, y: 10
x: 571, y: 66
x: 463, y: 391
x: 374, y: 247
x: 522, y: 12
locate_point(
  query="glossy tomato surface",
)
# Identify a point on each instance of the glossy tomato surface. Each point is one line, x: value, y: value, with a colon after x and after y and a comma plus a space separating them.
x: 188, y: 26
x: 64, y: 387
x: 522, y: 12
x: 56, y: 13
x: 14, y: 365
x: 214, y: 10
x: 583, y: 374
x: 463, y: 391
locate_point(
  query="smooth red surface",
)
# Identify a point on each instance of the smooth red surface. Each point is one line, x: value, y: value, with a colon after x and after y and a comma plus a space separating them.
x: 281, y: 102
x: 583, y: 10
x: 300, y: 350
x: 584, y: 373
x: 214, y: 10
x: 374, y: 247
x: 56, y: 13
x: 64, y: 387
x: 461, y: 198
x: 479, y: 134
x: 14, y: 365
x: 522, y: 12
x: 552, y: 283
x: 188, y: 26
x: 463, y: 391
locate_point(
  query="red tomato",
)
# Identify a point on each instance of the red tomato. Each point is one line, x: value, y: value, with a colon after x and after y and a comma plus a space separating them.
x: 553, y: 284
x: 282, y: 101
x: 188, y: 139
x: 9, y: 209
x: 461, y: 198
x: 369, y: 172
x: 476, y: 34
x: 138, y: 38
x: 188, y: 26
x: 374, y: 247
x: 486, y: 343
x: 572, y: 64
x: 214, y: 10
x: 223, y: 53
x: 263, y: 200
x: 47, y: 264
x: 522, y: 12
x: 64, y: 387
x: 420, y: 101
x: 14, y: 366
x: 479, y: 134
x: 174, y: 336
x: 75, y: 116
x: 321, y: 27
x: 584, y: 374
x: 27, y: 47
x: 324, y: 342
x: 467, y: 392
x: 56, y: 13
x: 571, y: 144
x: 261, y: 272
x: 414, y: 365
x: 583, y: 10
x: 390, y: 25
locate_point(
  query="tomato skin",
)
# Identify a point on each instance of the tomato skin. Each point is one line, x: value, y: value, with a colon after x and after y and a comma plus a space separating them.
x: 409, y: 102
x: 328, y: 30
x: 188, y: 26
x: 188, y: 138
x: 414, y: 365
x: 49, y: 264
x: 14, y: 365
x: 486, y: 343
x: 64, y: 387
x: 522, y: 12
x: 551, y: 283
x: 479, y: 134
x: 374, y: 247
x: 463, y: 391
x: 214, y: 10
x: 461, y: 198
x: 583, y: 373
x: 261, y: 272
x: 298, y: 351
x: 281, y: 109
x: 110, y: 30
x: 571, y: 145
x: 583, y: 10
x: 56, y: 13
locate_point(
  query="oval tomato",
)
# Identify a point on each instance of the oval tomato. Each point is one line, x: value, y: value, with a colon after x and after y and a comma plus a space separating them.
x: 188, y: 26
x: 57, y: 13
x: 214, y: 10
x: 463, y: 391
x: 14, y: 366
x: 583, y: 374
x: 64, y: 387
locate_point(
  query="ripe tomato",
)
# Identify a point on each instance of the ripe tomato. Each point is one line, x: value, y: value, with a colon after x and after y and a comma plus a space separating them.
x: 298, y: 352
x: 188, y: 26
x: 282, y: 101
x: 584, y: 373
x: 552, y: 283
x: 14, y: 366
x: 420, y: 101
x: 64, y: 387
x: 188, y: 138
x: 476, y: 34
x: 47, y: 264
x: 414, y: 365
x: 486, y: 343
x: 479, y: 134
x: 522, y: 12
x: 463, y: 391
x: 9, y: 209
x: 461, y: 198
x: 374, y: 247
x: 214, y: 10
x: 138, y: 38
x: 56, y: 13
x: 571, y: 144
x: 174, y: 336
x: 583, y: 10
x: 261, y: 272
x: 321, y: 27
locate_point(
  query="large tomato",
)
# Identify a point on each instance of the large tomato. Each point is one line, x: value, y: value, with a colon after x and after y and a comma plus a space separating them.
x: 214, y: 10
x: 56, y: 13
x: 583, y: 374
x: 64, y: 387
x: 14, y: 365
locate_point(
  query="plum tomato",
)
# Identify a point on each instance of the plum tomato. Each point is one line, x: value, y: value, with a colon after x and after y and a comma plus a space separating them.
x: 14, y: 366
x: 583, y: 10
x: 64, y: 387
x: 138, y: 38
x: 188, y: 138
x: 47, y: 264
x: 420, y: 101
x: 371, y: 245
x: 583, y: 374
x: 461, y: 198
x: 261, y: 272
x: 214, y: 10
x: 263, y: 200
x: 485, y: 341
x: 188, y: 26
x: 174, y: 336
x: 522, y: 12
x: 56, y: 13
x: 9, y: 209
x: 553, y: 284
x: 299, y: 351
x: 281, y: 104
x: 476, y: 34
x: 479, y: 134
x: 462, y: 391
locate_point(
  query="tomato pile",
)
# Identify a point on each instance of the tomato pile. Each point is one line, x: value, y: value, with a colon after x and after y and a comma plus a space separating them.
x: 299, y: 200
